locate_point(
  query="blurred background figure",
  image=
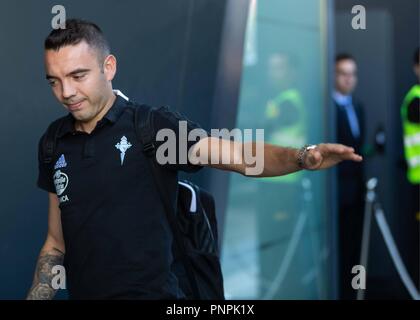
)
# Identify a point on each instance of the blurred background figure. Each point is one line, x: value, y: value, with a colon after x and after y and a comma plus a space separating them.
x: 284, y: 122
x: 350, y: 131
x: 410, y: 114
x: 284, y: 111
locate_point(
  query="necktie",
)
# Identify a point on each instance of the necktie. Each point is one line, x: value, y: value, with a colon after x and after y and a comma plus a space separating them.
x: 351, y: 115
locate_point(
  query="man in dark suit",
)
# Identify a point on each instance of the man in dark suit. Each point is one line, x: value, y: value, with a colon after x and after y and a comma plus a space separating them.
x: 350, y: 131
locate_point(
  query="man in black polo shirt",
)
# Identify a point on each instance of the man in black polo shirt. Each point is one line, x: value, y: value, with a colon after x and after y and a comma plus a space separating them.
x: 106, y: 222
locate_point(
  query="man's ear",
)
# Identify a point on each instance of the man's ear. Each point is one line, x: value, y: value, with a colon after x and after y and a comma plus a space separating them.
x: 110, y: 67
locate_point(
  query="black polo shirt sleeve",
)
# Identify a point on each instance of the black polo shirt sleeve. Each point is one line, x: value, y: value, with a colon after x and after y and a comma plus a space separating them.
x: 45, y: 179
x: 165, y: 118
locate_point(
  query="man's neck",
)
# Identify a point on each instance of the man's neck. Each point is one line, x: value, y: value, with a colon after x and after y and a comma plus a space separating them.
x: 339, y: 93
x: 90, y: 125
x: 341, y: 98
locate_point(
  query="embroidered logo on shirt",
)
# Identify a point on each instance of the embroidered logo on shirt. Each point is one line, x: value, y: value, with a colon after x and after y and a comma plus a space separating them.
x: 61, y: 163
x: 123, y: 146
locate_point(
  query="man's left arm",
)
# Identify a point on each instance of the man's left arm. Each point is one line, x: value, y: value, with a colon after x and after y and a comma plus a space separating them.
x: 261, y: 159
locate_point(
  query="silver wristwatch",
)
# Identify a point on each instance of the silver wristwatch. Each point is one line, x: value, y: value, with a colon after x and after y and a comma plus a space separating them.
x: 302, y: 154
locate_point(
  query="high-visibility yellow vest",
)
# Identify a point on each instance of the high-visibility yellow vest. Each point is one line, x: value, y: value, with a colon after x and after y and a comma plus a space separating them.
x: 292, y: 135
x: 411, y: 137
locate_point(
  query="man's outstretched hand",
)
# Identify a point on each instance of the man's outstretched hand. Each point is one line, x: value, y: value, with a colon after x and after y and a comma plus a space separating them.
x: 326, y: 155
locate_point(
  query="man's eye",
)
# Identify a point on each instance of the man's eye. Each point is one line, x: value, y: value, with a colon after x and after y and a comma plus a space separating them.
x: 52, y: 83
x: 78, y: 77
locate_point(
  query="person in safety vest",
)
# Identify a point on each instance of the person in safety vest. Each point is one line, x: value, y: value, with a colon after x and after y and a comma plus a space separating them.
x: 410, y: 115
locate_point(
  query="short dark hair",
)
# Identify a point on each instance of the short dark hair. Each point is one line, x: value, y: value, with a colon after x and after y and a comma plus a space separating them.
x: 417, y: 56
x: 344, y: 56
x: 76, y: 31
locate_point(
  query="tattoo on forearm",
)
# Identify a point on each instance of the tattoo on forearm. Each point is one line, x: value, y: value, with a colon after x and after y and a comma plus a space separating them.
x: 42, y: 286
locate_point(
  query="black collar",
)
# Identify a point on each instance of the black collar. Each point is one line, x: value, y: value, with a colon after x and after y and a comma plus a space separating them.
x: 116, y: 110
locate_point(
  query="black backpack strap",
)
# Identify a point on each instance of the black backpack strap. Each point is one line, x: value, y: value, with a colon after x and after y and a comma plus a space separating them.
x: 143, y: 121
x: 49, y: 143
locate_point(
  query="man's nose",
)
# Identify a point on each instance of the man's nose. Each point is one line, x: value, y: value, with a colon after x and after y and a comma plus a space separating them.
x: 68, y: 90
